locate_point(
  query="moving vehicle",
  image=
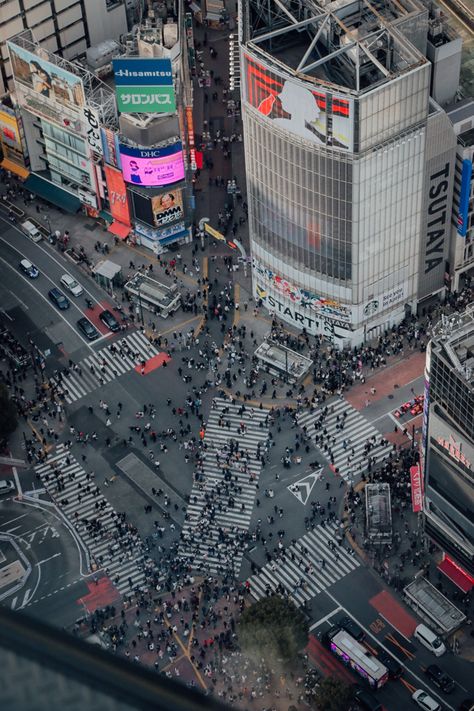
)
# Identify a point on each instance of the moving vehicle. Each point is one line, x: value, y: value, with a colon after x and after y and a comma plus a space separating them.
x: 29, y: 269
x: 394, y: 667
x: 348, y: 624
x: 31, y: 231
x: 366, y: 699
x: 442, y: 680
x: 6, y: 487
x: 88, y: 329
x: 71, y: 285
x: 58, y: 299
x: 109, y: 320
x: 425, y: 701
x: 356, y: 656
x: 429, y: 640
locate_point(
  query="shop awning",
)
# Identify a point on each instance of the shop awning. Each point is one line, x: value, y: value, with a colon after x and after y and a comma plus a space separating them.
x: 53, y: 193
x: 456, y: 574
x: 13, y: 167
x: 119, y: 229
x: 106, y: 216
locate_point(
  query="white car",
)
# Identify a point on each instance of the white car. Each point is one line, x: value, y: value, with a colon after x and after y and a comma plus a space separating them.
x: 71, y: 285
x: 425, y: 701
x: 6, y: 487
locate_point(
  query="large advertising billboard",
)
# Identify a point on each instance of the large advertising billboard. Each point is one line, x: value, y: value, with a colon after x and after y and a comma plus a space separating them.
x: 466, y: 176
x: 117, y: 195
x: 45, y: 79
x: 144, y: 85
x: 167, y: 207
x: 316, y: 115
x: 152, y: 167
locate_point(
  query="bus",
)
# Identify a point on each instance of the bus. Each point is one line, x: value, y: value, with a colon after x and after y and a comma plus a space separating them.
x: 357, y: 657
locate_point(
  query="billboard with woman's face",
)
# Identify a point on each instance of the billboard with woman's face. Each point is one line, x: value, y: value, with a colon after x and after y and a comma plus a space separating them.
x: 45, y: 78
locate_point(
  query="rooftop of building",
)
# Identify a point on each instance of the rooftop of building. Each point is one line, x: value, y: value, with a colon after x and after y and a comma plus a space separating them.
x: 350, y: 44
x: 453, y: 339
x: 461, y: 110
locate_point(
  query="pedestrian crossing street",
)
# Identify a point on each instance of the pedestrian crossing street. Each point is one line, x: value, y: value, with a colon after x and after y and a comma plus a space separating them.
x: 356, y: 431
x: 105, y: 365
x: 314, y: 563
x: 217, y: 515
x: 117, y: 553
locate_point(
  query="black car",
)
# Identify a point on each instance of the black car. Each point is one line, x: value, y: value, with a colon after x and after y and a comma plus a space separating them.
x: 366, y: 699
x: 442, y: 680
x: 88, y: 329
x: 352, y: 628
x: 395, y: 669
x: 109, y: 320
x: 58, y: 299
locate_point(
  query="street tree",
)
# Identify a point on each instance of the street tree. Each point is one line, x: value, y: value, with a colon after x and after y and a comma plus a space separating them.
x: 8, y: 415
x: 273, y: 628
x: 332, y: 694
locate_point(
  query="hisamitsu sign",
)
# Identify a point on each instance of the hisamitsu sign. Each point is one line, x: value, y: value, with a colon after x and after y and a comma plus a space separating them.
x: 144, y: 86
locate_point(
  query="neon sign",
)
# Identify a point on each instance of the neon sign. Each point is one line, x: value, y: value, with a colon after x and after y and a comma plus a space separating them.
x: 454, y: 449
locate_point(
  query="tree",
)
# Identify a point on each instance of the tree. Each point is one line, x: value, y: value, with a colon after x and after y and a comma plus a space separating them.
x: 332, y: 694
x: 8, y: 415
x: 273, y: 627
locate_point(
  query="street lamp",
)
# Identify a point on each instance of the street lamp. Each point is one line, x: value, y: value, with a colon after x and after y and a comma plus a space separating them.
x: 48, y: 224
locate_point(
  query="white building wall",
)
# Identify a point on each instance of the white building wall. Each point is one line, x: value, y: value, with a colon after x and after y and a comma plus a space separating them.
x: 103, y: 22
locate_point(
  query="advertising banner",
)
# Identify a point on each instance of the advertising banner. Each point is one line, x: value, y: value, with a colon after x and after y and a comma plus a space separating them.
x: 144, y: 85
x: 168, y: 207
x: 117, y: 195
x: 416, y: 481
x: 110, y: 146
x: 464, y: 197
x: 152, y: 166
x: 47, y: 80
x: 145, y: 99
x: 214, y: 233
x: 386, y: 300
x: 92, y: 124
x: 298, y: 109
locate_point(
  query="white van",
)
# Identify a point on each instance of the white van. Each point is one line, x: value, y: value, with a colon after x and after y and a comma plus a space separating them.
x: 31, y: 231
x: 430, y: 640
x: 71, y: 285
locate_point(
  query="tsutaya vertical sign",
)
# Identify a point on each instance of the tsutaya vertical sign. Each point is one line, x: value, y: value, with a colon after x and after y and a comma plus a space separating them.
x: 416, y: 481
x: 438, y: 218
x: 144, y: 85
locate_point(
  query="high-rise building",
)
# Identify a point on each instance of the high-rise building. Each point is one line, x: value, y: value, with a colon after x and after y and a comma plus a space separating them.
x: 449, y: 443
x: 64, y: 27
x: 349, y: 164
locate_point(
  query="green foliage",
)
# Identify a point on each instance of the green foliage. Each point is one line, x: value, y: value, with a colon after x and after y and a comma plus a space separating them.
x: 8, y: 415
x: 332, y: 694
x: 273, y: 628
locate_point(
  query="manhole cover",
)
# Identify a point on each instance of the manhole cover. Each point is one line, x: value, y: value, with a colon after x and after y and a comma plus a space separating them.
x: 390, y: 397
x: 395, y: 386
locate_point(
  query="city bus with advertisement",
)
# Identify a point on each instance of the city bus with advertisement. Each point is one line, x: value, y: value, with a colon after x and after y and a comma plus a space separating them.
x: 357, y: 657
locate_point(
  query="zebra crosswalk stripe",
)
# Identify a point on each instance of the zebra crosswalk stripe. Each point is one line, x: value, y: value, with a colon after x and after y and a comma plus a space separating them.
x: 201, y: 540
x: 343, y: 422
x: 103, y: 366
x: 288, y: 572
x: 119, y: 557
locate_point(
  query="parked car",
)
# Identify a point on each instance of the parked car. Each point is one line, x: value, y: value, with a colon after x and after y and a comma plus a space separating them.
x: 58, y: 299
x: 71, y: 285
x: 29, y: 268
x: 31, y: 231
x: 442, y: 680
x: 348, y: 624
x: 394, y: 667
x: 88, y: 329
x: 425, y: 701
x: 6, y: 487
x: 109, y: 320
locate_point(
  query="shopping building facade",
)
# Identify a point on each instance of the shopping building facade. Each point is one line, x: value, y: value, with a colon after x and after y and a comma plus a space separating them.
x: 336, y: 112
x: 448, y: 443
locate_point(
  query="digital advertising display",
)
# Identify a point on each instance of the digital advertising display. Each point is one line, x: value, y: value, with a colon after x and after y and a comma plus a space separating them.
x: 152, y: 167
x: 298, y: 109
x: 466, y: 176
x: 46, y: 79
x: 144, y: 85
